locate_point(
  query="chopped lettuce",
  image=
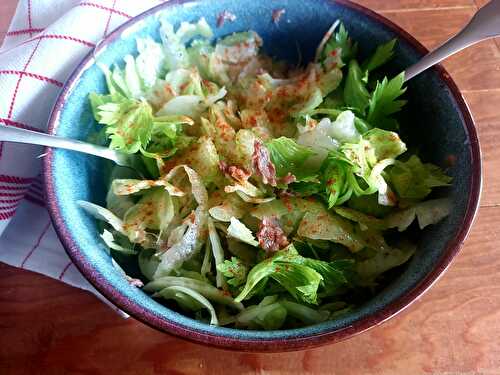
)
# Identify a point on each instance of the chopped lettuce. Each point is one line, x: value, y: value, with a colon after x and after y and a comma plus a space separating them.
x: 239, y: 231
x: 329, y: 227
x: 414, y: 180
x: 129, y: 124
x: 300, y: 281
x: 268, y: 314
x: 426, y: 213
x: 370, y: 268
x: 341, y: 40
x: 174, y: 42
x: 191, y: 235
x: 357, y: 167
x: 355, y: 93
x: 218, y: 252
x: 181, y: 293
x: 382, y: 54
x: 288, y: 157
x: 304, y: 313
x: 384, y: 102
x: 234, y: 270
x: 204, y: 288
x: 301, y: 277
x: 110, y: 241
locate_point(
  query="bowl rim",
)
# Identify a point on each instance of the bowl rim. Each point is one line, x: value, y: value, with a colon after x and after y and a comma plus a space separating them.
x: 280, y: 344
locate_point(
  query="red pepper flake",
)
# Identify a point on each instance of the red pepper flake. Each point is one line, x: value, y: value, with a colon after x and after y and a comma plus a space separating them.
x: 191, y: 217
x: 451, y: 160
x: 225, y: 16
x: 392, y: 197
x: 253, y: 121
x: 232, y: 171
x: 277, y: 115
x: 184, y: 86
x: 287, y: 203
x: 331, y: 181
x: 288, y: 179
x: 285, y: 194
x: 168, y: 89
x: 262, y: 164
x: 270, y: 235
x: 277, y: 13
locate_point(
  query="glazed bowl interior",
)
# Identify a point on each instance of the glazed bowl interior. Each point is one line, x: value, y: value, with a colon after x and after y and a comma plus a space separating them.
x: 435, y: 120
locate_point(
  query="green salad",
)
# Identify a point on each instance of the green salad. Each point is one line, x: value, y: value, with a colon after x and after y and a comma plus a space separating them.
x: 266, y: 196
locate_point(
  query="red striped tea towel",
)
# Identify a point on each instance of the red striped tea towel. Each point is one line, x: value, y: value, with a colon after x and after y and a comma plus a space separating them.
x: 45, y: 41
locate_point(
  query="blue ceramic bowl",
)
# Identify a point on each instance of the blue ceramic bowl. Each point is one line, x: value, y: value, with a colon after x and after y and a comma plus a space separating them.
x: 436, y: 118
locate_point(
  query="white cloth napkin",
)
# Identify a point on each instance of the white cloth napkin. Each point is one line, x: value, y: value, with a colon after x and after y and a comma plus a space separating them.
x: 45, y: 42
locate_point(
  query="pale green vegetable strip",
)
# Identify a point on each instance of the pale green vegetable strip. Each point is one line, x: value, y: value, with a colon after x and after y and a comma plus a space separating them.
x: 208, y: 291
x: 193, y: 294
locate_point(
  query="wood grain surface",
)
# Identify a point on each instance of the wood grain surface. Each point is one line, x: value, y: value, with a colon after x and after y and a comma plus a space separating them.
x: 50, y: 328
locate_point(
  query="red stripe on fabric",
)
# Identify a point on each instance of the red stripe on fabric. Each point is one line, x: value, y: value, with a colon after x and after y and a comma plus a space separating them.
x: 30, y: 25
x: 33, y: 75
x: 11, y: 106
x: 64, y: 37
x: 11, y: 200
x: 7, y: 215
x: 2, y: 194
x: 64, y: 270
x: 11, y: 207
x: 35, y: 200
x: 37, y: 244
x: 24, y: 31
x: 109, y: 19
x: 98, y: 6
x: 37, y: 194
x: 15, y: 179
x: 37, y: 185
x: 16, y: 124
x: 55, y: 36
x: 5, y: 187
x: 36, y: 190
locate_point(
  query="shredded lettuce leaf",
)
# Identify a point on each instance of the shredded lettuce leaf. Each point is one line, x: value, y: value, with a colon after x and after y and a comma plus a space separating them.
x: 239, y: 231
x: 384, y: 102
x: 355, y: 93
x: 204, y: 288
x: 341, y: 40
x: 382, y: 54
x: 415, y: 180
x: 234, y: 270
x: 288, y: 157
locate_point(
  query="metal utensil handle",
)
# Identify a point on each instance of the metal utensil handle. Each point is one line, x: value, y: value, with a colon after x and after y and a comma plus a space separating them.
x: 484, y: 24
x: 12, y: 134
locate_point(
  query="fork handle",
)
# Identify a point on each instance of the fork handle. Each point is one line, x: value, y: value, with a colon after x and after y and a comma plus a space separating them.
x: 484, y: 24
x: 12, y: 134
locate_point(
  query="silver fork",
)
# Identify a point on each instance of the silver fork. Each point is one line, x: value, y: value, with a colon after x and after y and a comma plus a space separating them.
x: 485, y: 24
x: 12, y: 134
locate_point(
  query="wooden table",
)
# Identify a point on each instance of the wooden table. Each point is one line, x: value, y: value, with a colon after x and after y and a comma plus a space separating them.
x: 49, y: 327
